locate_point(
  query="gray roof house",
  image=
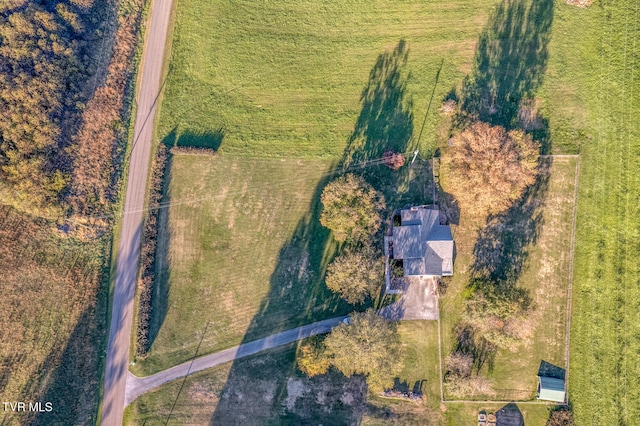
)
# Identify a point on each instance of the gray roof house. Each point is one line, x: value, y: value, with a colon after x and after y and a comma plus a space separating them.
x: 551, y: 389
x: 424, y: 246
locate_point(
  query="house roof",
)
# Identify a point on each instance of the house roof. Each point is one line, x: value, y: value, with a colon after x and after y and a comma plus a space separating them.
x: 551, y: 389
x: 425, y: 246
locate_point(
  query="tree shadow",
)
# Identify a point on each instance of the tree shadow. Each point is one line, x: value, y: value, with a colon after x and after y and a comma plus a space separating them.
x: 209, y: 140
x: 502, y: 248
x: 386, y: 117
x: 510, y: 62
x: 483, y: 352
x: 547, y: 369
x: 385, y: 122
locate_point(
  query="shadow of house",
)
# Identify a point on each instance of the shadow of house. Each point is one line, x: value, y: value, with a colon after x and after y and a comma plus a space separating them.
x: 550, y: 370
x: 385, y: 122
x: 509, y: 415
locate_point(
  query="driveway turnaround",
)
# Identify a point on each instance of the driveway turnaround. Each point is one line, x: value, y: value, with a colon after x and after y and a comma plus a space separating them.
x: 127, y: 267
x: 137, y: 386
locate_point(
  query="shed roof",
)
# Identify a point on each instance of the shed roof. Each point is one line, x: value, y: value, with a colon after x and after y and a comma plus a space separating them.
x: 551, y: 389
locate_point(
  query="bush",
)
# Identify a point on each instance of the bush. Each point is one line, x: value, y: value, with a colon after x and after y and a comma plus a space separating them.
x: 312, y: 358
x: 393, y: 160
x: 561, y: 417
x: 351, y: 209
x: 449, y: 107
x: 148, y: 253
x: 459, y: 364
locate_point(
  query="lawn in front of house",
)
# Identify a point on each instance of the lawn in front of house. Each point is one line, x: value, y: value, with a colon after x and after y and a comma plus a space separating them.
x: 241, y: 255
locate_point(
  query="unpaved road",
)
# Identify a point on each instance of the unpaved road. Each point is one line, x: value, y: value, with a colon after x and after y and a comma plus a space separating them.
x: 122, y: 312
x: 137, y: 386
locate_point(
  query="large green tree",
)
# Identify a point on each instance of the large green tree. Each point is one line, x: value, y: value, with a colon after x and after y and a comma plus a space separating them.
x: 488, y: 168
x: 351, y: 208
x: 356, y: 275
x: 368, y: 345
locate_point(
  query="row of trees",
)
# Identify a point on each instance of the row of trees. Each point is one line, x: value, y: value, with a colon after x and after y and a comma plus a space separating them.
x: 60, y: 117
x: 367, y: 345
x: 351, y: 209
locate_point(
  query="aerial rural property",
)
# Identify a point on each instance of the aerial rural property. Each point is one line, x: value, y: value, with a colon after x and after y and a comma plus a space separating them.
x: 302, y: 212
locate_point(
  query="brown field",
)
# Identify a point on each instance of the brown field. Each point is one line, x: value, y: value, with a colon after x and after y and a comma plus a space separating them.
x: 51, y: 323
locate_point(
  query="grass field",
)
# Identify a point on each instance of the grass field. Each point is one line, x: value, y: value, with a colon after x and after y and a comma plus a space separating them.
x: 329, y: 82
x: 52, y: 320
x: 247, y: 259
x: 285, y: 79
x: 605, y: 338
x: 268, y: 389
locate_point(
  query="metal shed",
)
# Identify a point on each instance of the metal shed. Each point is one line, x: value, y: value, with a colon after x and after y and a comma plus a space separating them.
x: 551, y: 389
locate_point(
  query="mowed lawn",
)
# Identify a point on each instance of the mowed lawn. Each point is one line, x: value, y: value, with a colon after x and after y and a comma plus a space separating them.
x: 242, y: 254
x: 285, y: 78
x: 605, y: 336
x: 537, y: 237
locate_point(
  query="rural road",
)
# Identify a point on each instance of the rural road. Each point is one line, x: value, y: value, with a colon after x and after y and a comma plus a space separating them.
x: 137, y: 386
x: 127, y: 264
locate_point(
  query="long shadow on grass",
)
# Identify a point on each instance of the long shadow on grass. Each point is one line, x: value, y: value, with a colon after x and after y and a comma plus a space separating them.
x: 510, y: 63
x: 209, y: 140
x: 297, y: 292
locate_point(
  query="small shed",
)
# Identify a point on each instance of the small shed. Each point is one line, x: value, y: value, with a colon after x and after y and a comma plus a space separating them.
x: 551, y: 389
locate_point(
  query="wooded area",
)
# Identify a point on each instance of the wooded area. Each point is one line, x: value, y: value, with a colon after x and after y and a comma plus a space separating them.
x: 60, y: 113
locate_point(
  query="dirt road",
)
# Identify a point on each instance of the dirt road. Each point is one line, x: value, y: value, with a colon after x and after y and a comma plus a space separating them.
x: 137, y: 386
x: 127, y: 266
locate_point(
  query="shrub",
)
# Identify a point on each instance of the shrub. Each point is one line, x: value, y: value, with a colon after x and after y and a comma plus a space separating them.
x: 393, y: 160
x: 561, y: 417
x: 449, y: 107
x: 368, y: 345
x: 312, y: 358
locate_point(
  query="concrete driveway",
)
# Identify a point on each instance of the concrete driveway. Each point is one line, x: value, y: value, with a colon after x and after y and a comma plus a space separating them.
x: 419, y: 302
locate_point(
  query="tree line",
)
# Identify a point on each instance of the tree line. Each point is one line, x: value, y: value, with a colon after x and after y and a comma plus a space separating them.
x: 60, y: 112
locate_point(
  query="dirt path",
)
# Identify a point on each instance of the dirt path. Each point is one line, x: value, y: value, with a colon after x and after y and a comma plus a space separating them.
x: 127, y: 266
x: 137, y: 386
